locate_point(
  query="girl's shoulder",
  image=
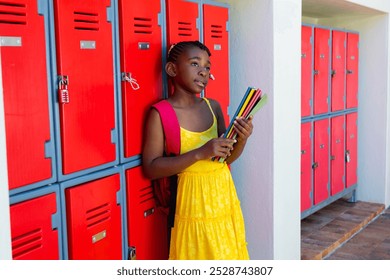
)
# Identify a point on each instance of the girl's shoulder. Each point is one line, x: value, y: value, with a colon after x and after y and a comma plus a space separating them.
x: 214, y: 104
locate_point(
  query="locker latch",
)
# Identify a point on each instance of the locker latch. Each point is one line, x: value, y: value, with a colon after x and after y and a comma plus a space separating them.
x: 332, y: 157
x: 349, y: 71
x: 132, y: 253
x: 315, y: 72
x: 333, y: 73
x: 126, y: 77
x: 63, y: 82
x: 347, y: 156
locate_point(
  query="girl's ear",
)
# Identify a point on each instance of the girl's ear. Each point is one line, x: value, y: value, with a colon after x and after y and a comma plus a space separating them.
x: 170, y: 68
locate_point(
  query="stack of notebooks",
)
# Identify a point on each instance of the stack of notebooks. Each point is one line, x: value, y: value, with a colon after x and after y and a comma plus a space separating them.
x: 251, y: 102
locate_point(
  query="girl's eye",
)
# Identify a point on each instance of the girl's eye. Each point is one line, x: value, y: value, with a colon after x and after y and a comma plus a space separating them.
x: 208, y: 68
x: 194, y: 64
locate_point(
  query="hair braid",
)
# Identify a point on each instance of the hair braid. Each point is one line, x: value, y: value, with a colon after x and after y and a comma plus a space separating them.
x: 177, y: 49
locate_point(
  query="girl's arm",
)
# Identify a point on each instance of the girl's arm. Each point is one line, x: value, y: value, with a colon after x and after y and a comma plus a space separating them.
x: 156, y: 165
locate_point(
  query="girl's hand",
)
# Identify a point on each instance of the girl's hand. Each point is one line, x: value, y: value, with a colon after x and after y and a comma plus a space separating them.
x: 217, y: 147
x: 243, y: 127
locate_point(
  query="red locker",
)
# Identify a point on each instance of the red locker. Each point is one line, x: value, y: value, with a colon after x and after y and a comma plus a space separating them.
x: 306, y: 70
x: 86, y: 83
x: 338, y: 70
x: 321, y: 160
x: 352, y: 69
x: 321, y: 70
x: 25, y: 87
x: 216, y: 38
x: 94, y: 220
x: 33, y: 237
x: 337, y: 155
x: 141, y: 58
x: 306, y: 166
x: 351, y: 149
x: 147, y: 226
x: 181, y: 21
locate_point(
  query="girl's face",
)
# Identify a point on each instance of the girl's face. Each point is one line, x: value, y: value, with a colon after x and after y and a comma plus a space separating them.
x: 192, y: 70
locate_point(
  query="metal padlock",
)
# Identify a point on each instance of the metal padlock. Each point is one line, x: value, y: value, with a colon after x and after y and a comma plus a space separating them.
x: 132, y: 253
x: 347, y: 156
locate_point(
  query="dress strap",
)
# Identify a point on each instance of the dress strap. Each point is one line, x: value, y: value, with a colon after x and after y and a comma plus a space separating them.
x: 211, y: 109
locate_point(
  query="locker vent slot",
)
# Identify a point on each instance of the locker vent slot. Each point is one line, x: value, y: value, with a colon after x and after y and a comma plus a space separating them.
x: 143, y: 25
x: 86, y: 21
x: 98, y: 214
x: 185, y: 28
x: 26, y: 243
x: 216, y: 31
x: 146, y: 194
x: 12, y: 13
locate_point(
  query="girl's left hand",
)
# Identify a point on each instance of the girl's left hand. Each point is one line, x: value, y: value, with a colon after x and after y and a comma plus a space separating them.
x: 243, y: 127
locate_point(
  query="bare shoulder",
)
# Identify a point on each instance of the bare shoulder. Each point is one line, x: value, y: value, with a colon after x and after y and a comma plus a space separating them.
x: 215, y: 105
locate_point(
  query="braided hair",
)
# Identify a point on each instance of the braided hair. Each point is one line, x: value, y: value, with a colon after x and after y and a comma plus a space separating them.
x: 177, y: 49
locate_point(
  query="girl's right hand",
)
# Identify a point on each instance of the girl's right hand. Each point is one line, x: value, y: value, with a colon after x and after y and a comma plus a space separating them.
x: 217, y: 147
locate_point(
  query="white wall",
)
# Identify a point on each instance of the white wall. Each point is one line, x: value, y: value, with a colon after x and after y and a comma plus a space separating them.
x: 267, y: 175
x: 5, y: 230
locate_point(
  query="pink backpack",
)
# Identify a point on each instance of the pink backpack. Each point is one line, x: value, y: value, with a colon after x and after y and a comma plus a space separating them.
x: 165, y: 188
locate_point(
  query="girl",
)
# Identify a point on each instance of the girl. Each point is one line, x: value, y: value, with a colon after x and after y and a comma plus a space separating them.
x: 208, y: 220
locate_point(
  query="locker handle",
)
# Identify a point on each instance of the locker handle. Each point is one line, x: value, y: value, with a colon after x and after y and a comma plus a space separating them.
x: 347, y: 156
x: 303, y: 152
x: 315, y: 165
x: 316, y: 72
x: 99, y: 236
x: 333, y: 73
x: 332, y: 157
x: 349, y: 71
x: 126, y: 77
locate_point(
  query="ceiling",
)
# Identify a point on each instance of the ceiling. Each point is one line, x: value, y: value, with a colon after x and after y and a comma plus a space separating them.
x: 334, y: 8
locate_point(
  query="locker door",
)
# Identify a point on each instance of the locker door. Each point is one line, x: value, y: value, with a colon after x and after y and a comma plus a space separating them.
x: 25, y: 87
x: 338, y: 70
x: 337, y: 154
x: 352, y: 69
x: 321, y: 160
x: 216, y: 38
x: 141, y: 51
x: 306, y: 70
x: 306, y: 166
x: 181, y: 21
x: 321, y: 70
x: 351, y: 149
x: 147, y: 226
x: 33, y: 237
x: 94, y: 220
x: 86, y: 90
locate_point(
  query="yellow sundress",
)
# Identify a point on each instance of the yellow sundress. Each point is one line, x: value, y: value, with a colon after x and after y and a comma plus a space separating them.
x: 208, y: 221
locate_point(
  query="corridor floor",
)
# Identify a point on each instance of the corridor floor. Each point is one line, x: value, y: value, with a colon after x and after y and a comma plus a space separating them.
x: 347, y: 231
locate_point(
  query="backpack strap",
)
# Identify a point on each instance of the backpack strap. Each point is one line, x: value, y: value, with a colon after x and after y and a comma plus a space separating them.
x: 170, y: 125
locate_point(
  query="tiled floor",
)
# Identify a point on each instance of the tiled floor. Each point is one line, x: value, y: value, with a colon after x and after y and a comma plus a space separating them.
x: 347, y: 231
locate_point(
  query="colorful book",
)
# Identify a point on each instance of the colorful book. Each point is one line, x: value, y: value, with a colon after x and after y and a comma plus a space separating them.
x: 252, y: 101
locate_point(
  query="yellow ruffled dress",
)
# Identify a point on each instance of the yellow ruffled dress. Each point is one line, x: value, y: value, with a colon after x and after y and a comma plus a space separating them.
x: 208, y: 221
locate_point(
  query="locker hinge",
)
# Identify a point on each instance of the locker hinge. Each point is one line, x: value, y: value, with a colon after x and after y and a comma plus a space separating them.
x: 63, y: 82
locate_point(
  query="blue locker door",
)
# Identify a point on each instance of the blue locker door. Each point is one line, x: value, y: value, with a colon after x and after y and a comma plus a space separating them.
x: 86, y: 83
x: 321, y: 70
x: 337, y: 169
x: 321, y: 160
x: 141, y: 59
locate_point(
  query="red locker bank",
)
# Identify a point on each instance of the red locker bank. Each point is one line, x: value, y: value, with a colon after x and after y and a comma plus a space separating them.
x: 35, y: 225
x: 27, y: 99
x: 92, y: 216
x: 85, y: 79
x: 334, y: 72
